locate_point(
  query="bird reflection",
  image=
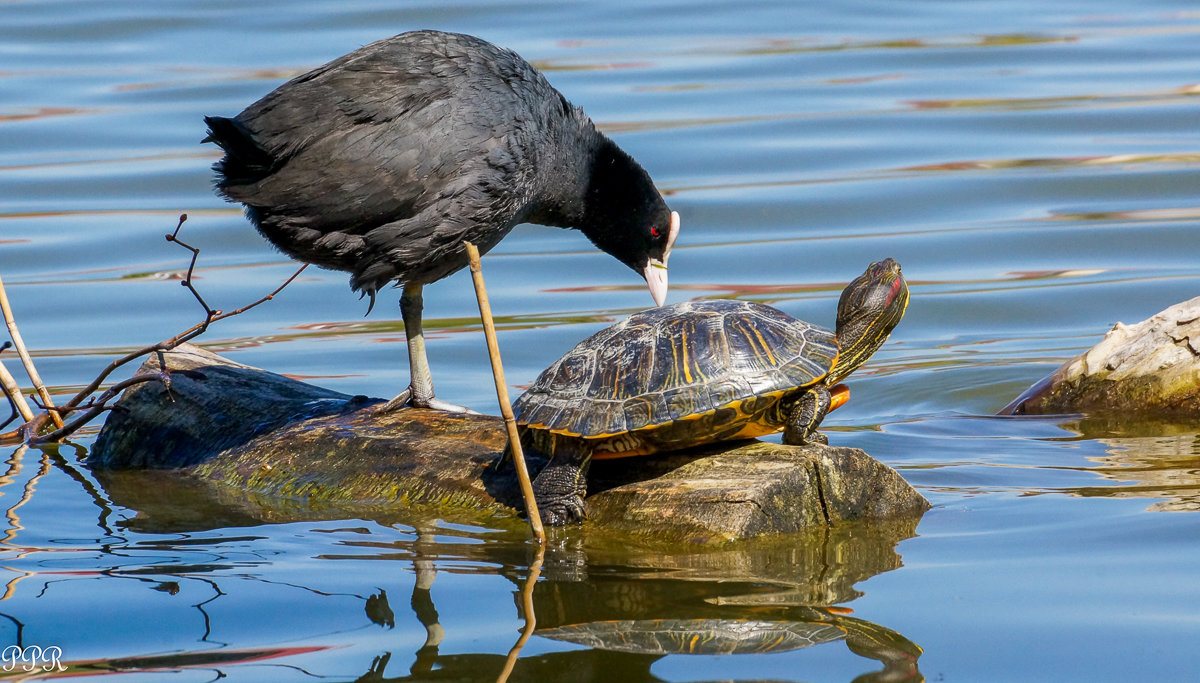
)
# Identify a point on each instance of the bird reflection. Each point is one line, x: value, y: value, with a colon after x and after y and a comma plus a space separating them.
x: 380, y: 612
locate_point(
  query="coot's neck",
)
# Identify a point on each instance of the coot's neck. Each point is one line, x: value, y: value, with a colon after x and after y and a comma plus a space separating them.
x: 567, y: 180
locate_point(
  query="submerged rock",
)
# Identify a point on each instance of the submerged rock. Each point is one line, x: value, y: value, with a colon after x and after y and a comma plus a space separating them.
x: 1151, y: 368
x: 288, y: 444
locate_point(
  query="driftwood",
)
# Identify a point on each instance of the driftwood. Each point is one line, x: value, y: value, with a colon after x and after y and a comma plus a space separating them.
x: 276, y: 439
x: 1148, y: 369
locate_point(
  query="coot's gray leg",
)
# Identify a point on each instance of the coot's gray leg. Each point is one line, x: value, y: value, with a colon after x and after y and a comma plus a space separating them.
x: 419, y: 393
x: 806, y: 416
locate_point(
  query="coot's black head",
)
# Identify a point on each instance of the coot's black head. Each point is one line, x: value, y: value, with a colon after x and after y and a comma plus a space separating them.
x: 625, y: 216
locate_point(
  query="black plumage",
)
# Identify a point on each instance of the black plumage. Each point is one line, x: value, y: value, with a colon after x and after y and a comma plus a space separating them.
x: 383, y: 161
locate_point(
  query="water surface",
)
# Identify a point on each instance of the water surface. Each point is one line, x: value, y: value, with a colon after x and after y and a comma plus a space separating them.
x: 1033, y: 167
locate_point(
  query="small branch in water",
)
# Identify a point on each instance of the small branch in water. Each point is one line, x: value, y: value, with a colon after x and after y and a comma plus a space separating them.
x: 11, y: 417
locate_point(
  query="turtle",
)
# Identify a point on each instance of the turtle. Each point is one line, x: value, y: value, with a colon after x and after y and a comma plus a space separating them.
x: 694, y: 373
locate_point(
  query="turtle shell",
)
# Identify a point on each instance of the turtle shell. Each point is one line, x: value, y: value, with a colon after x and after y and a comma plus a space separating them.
x: 693, y: 372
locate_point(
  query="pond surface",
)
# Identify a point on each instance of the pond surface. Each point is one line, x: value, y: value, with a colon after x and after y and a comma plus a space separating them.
x: 1034, y: 166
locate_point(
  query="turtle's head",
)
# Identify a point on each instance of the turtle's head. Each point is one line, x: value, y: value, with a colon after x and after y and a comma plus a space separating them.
x: 870, y: 308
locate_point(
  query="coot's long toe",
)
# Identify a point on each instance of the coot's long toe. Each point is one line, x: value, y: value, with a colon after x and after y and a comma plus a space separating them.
x: 383, y: 161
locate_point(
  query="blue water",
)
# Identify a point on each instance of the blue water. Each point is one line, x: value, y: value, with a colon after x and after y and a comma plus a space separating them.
x: 1033, y: 166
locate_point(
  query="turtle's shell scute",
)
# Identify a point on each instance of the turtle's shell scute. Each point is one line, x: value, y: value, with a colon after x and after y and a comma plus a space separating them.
x: 678, y: 363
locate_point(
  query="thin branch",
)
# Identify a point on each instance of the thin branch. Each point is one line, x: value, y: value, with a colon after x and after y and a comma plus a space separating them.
x: 26, y: 359
x: 13, y: 391
x: 187, y: 281
x: 187, y: 335
x: 95, y: 405
x: 4, y: 387
x: 514, y: 438
x: 98, y: 405
x: 12, y: 417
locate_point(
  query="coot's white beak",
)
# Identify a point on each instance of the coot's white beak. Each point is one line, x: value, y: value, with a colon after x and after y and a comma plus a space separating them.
x: 656, y: 270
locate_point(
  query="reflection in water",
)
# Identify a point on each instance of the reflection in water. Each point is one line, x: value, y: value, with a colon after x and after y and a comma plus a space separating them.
x: 697, y: 636
x: 624, y: 648
x: 422, y: 599
x: 528, y: 611
x: 1070, y: 162
x: 12, y: 518
x: 757, y: 598
x: 594, y: 590
x: 1148, y: 460
x: 797, y: 628
x: 1036, y: 163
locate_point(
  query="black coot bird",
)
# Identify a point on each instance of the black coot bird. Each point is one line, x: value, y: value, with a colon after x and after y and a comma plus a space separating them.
x: 383, y: 161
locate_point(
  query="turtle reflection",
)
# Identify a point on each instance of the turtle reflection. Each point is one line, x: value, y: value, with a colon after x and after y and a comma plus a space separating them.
x: 744, y: 618
x: 696, y: 636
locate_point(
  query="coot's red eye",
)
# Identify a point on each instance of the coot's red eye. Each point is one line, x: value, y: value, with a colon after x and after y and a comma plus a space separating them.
x: 654, y: 231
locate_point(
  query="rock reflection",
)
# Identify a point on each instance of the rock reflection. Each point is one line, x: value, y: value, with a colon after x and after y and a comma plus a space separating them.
x: 765, y: 597
x: 1147, y: 459
x: 628, y: 605
x: 630, y: 615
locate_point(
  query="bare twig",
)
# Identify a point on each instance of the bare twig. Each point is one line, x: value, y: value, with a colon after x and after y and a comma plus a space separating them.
x: 26, y: 360
x: 12, y: 401
x: 168, y: 344
x: 13, y: 391
x: 11, y: 417
x: 96, y: 404
x: 514, y: 439
x: 187, y: 281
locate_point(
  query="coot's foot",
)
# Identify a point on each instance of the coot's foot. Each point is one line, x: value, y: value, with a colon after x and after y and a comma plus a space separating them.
x: 407, y: 398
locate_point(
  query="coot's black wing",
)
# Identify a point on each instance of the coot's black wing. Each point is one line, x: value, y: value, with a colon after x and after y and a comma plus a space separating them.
x: 382, y: 161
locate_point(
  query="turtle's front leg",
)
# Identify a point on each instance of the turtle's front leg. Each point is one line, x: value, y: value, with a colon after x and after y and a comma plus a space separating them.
x: 560, y: 487
x: 806, y: 416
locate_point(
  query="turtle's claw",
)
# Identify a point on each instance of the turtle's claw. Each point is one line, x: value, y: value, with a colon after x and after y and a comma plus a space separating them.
x: 563, y: 512
x: 795, y: 438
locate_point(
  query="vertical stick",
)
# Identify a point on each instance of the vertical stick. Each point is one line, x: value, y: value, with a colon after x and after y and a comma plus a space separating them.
x: 13, y: 390
x: 25, y: 359
x: 514, y: 440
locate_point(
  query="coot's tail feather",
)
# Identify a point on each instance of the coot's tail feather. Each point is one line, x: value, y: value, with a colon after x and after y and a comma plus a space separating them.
x: 244, y: 162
